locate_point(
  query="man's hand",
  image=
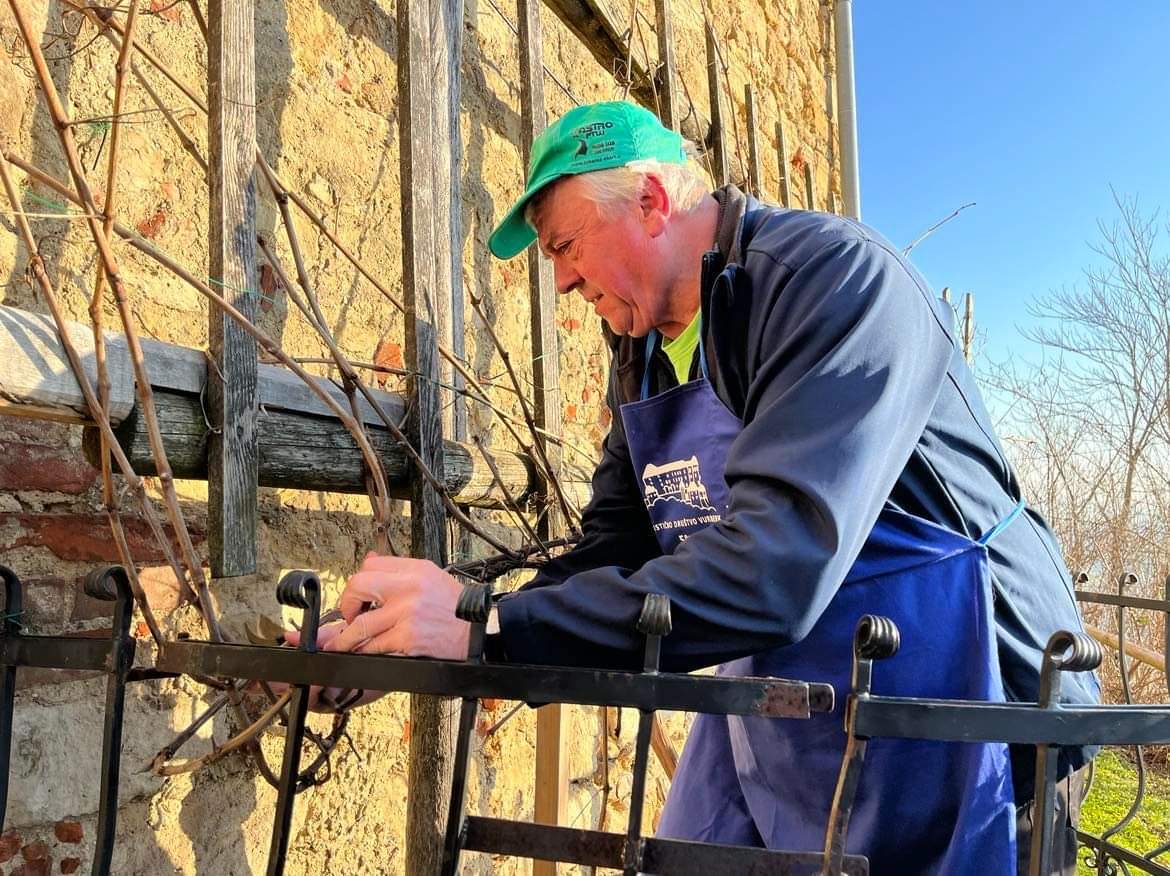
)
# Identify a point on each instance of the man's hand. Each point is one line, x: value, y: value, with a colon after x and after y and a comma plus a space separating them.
x: 332, y: 695
x: 396, y: 605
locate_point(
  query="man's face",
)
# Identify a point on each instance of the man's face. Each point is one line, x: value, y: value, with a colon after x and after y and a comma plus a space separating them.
x: 612, y: 260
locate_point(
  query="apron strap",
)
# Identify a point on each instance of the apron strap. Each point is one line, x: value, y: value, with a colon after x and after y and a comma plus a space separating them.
x: 1003, y: 524
x: 703, y: 353
x: 651, y: 344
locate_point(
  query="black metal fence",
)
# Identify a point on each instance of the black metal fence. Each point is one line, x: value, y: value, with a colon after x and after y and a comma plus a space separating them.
x: 1047, y: 725
x: 1106, y: 852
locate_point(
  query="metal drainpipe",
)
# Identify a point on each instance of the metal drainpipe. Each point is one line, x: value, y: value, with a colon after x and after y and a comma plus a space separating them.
x: 847, y: 108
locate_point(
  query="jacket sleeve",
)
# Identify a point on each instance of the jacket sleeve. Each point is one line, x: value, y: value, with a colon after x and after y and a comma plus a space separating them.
x: 845, y: 365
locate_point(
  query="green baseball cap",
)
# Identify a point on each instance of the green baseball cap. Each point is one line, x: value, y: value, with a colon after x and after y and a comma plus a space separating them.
x: 591, y: 137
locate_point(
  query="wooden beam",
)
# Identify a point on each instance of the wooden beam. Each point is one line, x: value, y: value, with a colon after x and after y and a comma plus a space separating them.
x: 302, y: 452
x: 419, y: 103
x: 551, y: 779
x: 1137, y: 652
x: 666, y: 80
x: 749, y: 98
x: 716, y: 139
x: 782, y: 161
x: 300, y: 442
x: 231, y: 396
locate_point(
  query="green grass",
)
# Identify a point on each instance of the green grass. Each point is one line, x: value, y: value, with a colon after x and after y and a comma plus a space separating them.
x: 1114, y: 788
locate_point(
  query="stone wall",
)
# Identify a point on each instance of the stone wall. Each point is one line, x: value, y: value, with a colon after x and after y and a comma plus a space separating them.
x: 327, y: 122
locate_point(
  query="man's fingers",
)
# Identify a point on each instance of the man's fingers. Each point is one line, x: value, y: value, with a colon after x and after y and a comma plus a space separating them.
x: 389, y: 642
x: 365, y: 626
x: 325, y: 635
x: 366, y: 587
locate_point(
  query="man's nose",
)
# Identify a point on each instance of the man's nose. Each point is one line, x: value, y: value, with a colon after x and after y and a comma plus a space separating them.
x: 567, y: 279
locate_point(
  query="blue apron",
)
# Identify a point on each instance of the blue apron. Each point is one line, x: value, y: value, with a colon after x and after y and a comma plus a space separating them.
x: 922, y: 807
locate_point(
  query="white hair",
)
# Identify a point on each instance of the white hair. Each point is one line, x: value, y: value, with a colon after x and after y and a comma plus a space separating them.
x: 614, y: 187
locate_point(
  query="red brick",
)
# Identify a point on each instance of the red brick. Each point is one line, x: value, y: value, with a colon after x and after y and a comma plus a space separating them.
x: 35, y: 851
x: 37, y: 467
x: 83, y: 537
x: 388, y: 354
x: 70, y: 865
x: 169, y: 11
x: 68, y: 831
x: 9, y: 841
x: 34, y: 431
x: 151, y: 226
x: 161, y: 588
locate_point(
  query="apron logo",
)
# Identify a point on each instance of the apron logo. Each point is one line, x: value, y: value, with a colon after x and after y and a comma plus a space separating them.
x: 679, y: 481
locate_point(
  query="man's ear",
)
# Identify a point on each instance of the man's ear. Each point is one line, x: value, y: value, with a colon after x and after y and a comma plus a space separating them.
x: 655, y: 205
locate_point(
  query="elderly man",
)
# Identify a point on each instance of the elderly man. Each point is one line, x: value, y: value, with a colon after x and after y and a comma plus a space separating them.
x: 797, y: 442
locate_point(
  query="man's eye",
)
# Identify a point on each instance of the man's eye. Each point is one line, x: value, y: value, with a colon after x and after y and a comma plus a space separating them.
x: 562, y: 248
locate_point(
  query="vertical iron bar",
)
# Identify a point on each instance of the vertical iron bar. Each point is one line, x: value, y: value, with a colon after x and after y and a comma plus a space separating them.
x: 654, y: 622
x: 13, y: 608
x: 875, y: 638
x: 666, y: 87
x: 1044, y: 802
x: 716, y: 139
x: 633, y: 850
x: 112, y: 583
x: 303, y: 590
x: 1065, y: 651
x: 749, y: 98
x: 782, y: 161
x: 1124, y: 580
x: 1043, y: 811
x: 474, y: 606
x: 810, y: 202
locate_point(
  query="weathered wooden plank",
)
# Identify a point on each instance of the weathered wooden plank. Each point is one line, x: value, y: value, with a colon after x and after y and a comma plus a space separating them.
x: 296, y: 451
x: 231, y: 396
x: 35, y: 376
x: 432, y: 730
x: 782, y: 161
x: 667, y: 96
x: 749, y: 98
x: 717, y: 137
x: 551, y: 778
x: 446, y: 49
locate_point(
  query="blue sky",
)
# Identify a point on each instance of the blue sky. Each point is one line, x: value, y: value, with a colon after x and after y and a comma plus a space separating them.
x: 1030, y: 109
